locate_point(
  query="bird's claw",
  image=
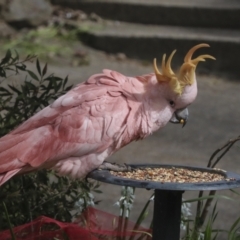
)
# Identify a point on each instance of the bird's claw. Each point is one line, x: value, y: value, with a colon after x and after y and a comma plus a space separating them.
x: 115, y: 167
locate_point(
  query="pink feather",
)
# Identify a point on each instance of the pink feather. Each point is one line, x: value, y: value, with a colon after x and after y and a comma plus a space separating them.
x: 78, y: 131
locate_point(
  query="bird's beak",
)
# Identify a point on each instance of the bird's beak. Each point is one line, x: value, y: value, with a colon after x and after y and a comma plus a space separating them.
x: 180, y: 116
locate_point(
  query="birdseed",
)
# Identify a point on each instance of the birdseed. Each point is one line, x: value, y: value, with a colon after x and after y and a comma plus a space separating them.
x: 175, y: 175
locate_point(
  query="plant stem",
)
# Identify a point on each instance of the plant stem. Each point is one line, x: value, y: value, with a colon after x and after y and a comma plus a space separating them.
x: 125, y: 226
x: 120, y: 222
x: 205, y: 209
x: 141, y: 216
x: 227, y: 145
x: 201, y: 216
x: 8, y: 220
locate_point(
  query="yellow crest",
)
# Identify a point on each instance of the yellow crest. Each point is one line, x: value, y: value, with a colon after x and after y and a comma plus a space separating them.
x: 186, y: 73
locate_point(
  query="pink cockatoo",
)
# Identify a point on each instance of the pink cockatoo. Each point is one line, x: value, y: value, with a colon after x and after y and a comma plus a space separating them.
x: 79, y: 130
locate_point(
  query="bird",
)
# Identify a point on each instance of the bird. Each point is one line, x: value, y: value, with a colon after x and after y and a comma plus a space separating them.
x: 78, y: 131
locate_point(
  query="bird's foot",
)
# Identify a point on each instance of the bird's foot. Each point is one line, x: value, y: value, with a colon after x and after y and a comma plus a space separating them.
x: 115, y: 167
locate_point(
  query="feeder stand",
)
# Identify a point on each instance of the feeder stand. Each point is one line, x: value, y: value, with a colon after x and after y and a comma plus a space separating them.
x: 168, y: 196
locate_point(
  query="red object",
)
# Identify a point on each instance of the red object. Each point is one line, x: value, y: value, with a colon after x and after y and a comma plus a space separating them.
x: 93, y: 224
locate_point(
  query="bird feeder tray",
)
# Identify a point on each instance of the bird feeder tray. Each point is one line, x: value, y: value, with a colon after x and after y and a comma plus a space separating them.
x: 230, y: 179
x: 168, y: 195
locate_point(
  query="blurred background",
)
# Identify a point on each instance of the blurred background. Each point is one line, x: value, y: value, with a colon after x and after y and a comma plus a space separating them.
x: 79, y: 38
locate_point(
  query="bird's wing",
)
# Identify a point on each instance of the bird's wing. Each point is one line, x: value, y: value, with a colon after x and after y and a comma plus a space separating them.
x: 85, y: 120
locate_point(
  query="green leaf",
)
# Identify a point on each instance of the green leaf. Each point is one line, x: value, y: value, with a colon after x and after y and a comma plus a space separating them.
x: 57, y: 87
x: 6, y: 58
x: 65, y: 81
x: 54, y: 78
x: 24, y: 91
x: 4, y: 94
x: 49, y: 86
x: 208, y: 197
x: 9, y: 223
x: 30, y: 85
x: 42, y: 96
x: 2, y: 72
x: 38, y: 67
x: 238, y: 193
x: 21, y: 67
x: 33, y: 75
x: 143, y: 213
x: 68, y: 88
x: 44, y: 70
x: 14, y: 89
x: 17, y: 56
x: 231, y: 231
x: 4, y: 90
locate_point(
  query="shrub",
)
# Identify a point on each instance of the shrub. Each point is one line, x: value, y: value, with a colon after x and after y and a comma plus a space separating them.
x: 42, y: 192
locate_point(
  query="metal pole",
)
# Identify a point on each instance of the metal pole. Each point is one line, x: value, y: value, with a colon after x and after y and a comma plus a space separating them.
x: 167, y: 215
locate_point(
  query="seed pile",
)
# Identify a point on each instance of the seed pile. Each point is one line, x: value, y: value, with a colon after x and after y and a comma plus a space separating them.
x: 179, y: 175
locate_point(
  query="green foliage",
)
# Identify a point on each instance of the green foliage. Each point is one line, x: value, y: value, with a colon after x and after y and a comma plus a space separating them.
x: 48, y: 42
x: 234, y: 232
x: 18, y: 103
x: 125, y: 204
x: 44, y: 41
x: 41, y: 193
x: 202, y: 228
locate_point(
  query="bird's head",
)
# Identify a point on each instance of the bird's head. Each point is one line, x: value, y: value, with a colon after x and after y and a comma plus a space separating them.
x: 181, y: 87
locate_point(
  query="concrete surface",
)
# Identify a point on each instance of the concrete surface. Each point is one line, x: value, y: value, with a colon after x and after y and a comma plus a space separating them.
x: 143, y: 29
x: 197, y: 13
x: 145, y: 41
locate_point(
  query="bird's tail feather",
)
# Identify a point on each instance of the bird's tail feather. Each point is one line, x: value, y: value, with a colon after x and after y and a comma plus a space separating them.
x: 6, y: 176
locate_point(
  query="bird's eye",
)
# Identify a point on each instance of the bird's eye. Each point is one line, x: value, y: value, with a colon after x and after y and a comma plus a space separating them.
x: 172, y: 103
